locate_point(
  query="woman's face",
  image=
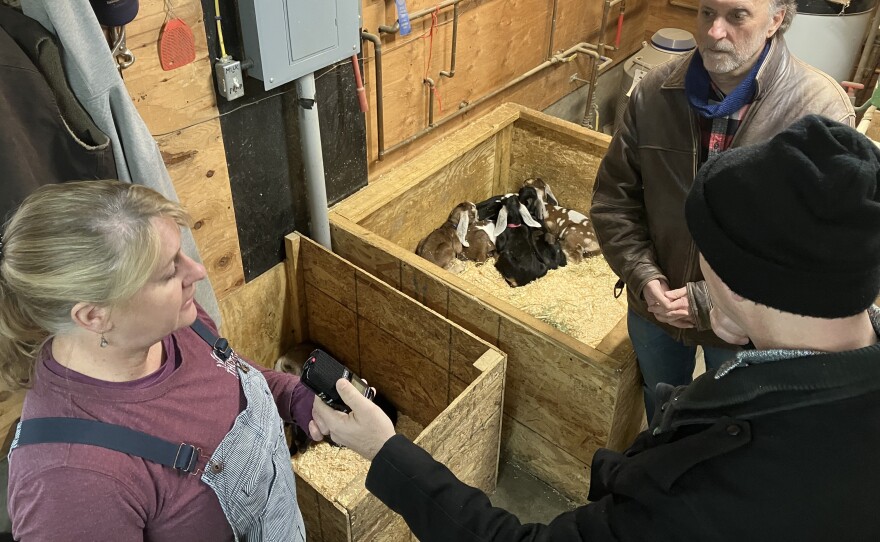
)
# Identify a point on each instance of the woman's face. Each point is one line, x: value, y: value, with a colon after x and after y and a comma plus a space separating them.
x: 165, y: 303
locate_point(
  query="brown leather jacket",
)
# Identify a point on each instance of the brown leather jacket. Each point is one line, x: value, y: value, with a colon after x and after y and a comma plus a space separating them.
x: 642, y: 183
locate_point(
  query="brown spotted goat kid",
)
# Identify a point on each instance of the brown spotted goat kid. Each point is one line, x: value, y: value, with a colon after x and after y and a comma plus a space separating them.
x: 443, y: 246
x: 573, y: 229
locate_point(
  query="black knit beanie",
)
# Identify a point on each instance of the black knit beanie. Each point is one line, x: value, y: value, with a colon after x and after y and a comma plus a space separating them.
x: 794, y: 223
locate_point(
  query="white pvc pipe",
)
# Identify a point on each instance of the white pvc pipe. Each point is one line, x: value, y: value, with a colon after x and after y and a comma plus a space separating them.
x: 313, y: 160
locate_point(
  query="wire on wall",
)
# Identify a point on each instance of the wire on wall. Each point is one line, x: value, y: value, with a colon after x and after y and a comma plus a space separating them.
x: 333, y: 68
x: 219, y: 28
x: 429, y: 35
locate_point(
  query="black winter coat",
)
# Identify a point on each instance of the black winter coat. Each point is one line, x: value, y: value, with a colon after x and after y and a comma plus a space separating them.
x: 775, y: 451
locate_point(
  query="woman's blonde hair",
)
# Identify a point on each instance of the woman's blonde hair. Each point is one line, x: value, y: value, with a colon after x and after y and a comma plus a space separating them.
x: 88, y: 241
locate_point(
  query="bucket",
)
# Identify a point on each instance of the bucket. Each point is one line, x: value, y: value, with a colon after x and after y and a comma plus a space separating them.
x: 666, y: 43
x: 829, y: 35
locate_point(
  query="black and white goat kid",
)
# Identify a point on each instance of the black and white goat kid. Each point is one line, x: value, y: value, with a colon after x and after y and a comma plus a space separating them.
x: 525, y: 252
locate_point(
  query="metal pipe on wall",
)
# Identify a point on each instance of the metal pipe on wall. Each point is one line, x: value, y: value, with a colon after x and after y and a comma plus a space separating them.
x: 552, y: 29
x: 586, y: 48
x: 430, y: 82
x: 588, y: 119
x: 380, y: 110
x: 313, y: 160
x: 451, y: 73
x: 395, y: 28
x: 606, y: 11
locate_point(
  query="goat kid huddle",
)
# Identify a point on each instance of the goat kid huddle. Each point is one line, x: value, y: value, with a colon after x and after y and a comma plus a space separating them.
x: 528, y: 233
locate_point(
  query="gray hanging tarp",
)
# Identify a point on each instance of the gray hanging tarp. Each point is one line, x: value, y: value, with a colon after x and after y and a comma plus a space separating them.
x: 92, y: 73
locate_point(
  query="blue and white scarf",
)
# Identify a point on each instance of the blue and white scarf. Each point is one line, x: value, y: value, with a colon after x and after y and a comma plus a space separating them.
x: 697, y: 87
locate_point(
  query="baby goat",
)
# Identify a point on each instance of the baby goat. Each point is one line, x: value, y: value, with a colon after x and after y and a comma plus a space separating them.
x: 481, y: 241
x: 573, y: 229
x: 521, y: 251
x: 443, y: 245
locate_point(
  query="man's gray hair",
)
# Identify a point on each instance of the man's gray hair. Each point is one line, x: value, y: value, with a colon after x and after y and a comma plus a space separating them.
x: 790, y: 8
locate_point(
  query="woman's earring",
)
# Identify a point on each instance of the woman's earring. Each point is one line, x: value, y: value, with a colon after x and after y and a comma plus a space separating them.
x: 104, y: 342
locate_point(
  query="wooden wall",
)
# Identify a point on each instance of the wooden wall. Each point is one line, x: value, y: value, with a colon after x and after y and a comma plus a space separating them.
x: 498, y: 41
x: 179, y: 109
x: 665, y: 15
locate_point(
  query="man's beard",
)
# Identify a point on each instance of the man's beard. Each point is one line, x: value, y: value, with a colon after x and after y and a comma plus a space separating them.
x: 722, y: 57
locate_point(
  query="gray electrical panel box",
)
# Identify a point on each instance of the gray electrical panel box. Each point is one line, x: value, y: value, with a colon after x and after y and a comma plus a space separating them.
x: 287, y: 39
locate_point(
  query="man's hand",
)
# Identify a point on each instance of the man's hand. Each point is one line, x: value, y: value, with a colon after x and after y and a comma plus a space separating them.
x: 727, y: 329
x: 668, y: 306
x: 365, y: 429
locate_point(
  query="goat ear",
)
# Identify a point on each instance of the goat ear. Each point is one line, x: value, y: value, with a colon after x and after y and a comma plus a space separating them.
x: 542, y: 210
x: 501, y: 222
x: 462, y: 228
x: 551, y: 199
x: 527, y: 217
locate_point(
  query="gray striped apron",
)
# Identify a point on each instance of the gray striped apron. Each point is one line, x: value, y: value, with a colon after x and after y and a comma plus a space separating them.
x: 250, y: 470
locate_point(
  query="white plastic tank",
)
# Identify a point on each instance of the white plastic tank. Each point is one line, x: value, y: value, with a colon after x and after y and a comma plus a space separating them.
x: 665, y: 44
x: 829, y: 35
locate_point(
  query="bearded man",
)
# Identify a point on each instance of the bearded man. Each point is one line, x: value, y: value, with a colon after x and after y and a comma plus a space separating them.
x: 741, y: 86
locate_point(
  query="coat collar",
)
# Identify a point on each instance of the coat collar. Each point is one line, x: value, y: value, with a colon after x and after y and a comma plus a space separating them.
x: 777, y: 60
x: 793, y: 380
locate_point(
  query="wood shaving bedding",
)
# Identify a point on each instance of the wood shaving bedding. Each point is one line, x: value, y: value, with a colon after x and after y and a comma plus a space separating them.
x: 576, y: 299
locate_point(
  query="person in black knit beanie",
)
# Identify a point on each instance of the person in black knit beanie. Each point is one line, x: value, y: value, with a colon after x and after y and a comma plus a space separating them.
x: 793, y: 223
x: 780, y: 443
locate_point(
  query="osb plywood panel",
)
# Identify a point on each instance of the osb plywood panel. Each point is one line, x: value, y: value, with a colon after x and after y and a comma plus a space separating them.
x: 485, y: 29
x: 629, y: 413
x: 477, y: 463
x: 465, y: 348
x: 468, y: 416
x: 424, y: 288
x: 427, y: 205
x: 333, y: 326
x: 409, y: 380
x: 561, y: 470
x: 567, y: 164
x: 307, y: 500
x: 330, y: 274
x: 421, y: 330
x: 555, y: 393
x: 470, y: 308
x: 334, y: 521
x: 356, y: 244
x: 372, y: 520
x: 502, y: 161
x: 255, y: 317
x: 179, y: 109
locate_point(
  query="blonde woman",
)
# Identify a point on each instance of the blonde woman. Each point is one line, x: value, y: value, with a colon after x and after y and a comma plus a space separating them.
x: 136, y: 426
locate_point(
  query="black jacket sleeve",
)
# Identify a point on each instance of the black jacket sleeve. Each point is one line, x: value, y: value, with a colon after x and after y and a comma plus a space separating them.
x: 438, y: 507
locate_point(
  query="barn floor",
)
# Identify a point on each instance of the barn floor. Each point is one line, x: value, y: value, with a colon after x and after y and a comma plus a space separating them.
x: 530, y: 499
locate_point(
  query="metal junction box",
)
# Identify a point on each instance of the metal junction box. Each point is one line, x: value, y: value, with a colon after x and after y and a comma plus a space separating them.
x: 287, y: 39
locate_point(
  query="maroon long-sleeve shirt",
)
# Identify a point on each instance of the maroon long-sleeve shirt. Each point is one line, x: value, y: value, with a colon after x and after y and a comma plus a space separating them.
x: 63, y: 492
